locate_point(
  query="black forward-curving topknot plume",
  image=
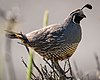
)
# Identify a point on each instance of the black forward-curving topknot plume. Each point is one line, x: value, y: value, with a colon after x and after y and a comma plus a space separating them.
x: 89, y: 6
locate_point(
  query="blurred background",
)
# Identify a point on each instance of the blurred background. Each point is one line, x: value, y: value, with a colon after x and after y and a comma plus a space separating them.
x: 29, y: 16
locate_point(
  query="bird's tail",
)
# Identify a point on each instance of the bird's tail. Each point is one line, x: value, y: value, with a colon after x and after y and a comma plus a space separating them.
x: 14, y: 35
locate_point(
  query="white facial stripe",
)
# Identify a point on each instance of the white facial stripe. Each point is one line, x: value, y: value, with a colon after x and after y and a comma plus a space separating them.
x: 74, y: 18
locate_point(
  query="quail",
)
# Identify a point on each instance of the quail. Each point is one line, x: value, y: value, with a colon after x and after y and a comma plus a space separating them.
x: 58, y: 41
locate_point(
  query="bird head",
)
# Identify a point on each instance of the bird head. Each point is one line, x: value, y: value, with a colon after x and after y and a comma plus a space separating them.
x: 78, y: 14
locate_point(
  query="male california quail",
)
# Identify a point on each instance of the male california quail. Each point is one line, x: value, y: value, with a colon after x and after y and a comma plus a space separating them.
x: 55, y: 41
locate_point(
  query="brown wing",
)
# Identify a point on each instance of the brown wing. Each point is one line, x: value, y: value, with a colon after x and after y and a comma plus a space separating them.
x: 46, y: 38
x: 52, y: 42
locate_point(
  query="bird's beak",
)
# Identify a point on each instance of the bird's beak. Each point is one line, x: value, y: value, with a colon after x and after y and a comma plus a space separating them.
x: 84, y: 16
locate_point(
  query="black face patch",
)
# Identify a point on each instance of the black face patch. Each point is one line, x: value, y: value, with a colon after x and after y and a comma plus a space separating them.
x: 77, y: 18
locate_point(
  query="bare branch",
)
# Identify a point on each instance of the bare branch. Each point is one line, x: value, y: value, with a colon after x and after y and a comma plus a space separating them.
x: 37, y: 69
x: 51, y: 66
x: 70, y: 69
x: 65, y: 65
x: 26, y: 66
